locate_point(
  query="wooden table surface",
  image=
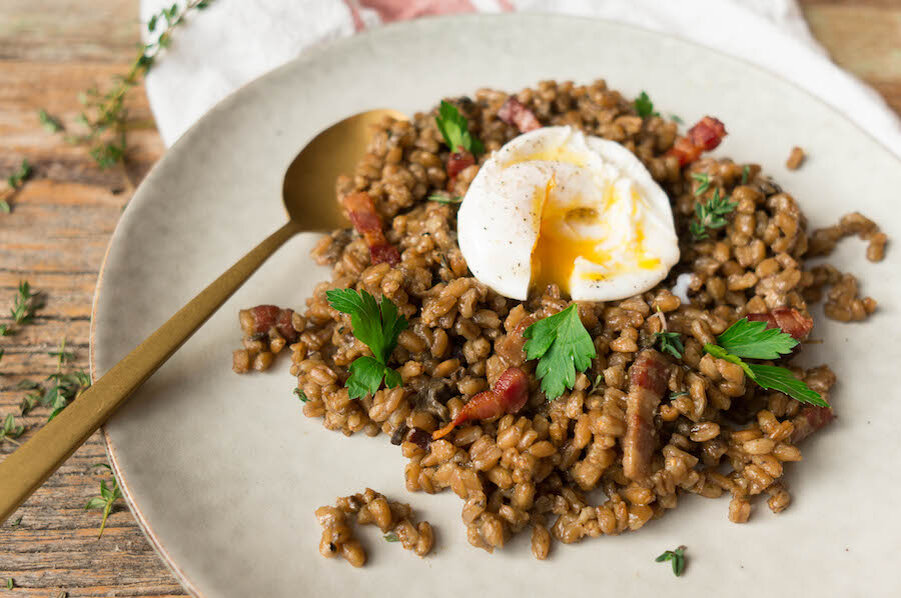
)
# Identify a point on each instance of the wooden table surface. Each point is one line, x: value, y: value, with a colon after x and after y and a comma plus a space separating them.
x: 55, y: 238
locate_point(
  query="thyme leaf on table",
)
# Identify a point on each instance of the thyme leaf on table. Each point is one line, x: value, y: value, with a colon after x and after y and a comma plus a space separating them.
x: 105, y: 500
x: 14, y: 182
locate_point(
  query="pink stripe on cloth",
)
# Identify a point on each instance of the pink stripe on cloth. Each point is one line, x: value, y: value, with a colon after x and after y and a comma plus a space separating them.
x: 359, y: 25
x: 506, y: 5
x: 400, y: 10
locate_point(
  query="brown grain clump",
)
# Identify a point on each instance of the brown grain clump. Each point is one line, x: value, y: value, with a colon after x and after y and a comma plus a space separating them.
x: 267, y: 331
x: 795, y: 158
x: 824, y: 240
x: 370, y: 507
x: 338, y: 538
x: 843, y: 301
x: 715, y: 433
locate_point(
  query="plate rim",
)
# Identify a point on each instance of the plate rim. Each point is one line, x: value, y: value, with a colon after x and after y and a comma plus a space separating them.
x: 310, y: 55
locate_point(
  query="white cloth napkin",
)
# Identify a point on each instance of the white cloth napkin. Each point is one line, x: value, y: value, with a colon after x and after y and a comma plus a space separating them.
x: 235, y: 41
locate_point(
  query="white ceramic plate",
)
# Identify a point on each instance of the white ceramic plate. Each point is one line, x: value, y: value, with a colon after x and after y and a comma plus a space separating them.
x: 223, y: 471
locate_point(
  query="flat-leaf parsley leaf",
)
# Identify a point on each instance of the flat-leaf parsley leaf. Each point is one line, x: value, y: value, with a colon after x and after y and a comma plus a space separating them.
x: 644, y: 106
x: 455, y: 129
x: 783, y: 380
x: 752, y: 340
x: 562, y: 345
x: 377, y: 325
x: 755, y: 341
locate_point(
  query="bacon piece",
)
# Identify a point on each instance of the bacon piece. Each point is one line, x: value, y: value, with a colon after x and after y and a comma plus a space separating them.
x: 809, y: 420
x: 361, y: 210
x: 647, y: 384
x: 509, y: 394
x: 705, y: 136
x: 789, y: 319
x: 459, y: 161
x: 514, y: 112
x: 258, y: 321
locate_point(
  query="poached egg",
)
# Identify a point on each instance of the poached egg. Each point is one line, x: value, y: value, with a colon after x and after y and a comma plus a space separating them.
x: 557, y: 206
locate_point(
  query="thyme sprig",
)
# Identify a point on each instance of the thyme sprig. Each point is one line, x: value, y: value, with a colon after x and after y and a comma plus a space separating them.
x: 25, y: 304
x: 11, y: 430
x: 711, y: 215
x: 50, y: 123
x: 14, y: 182
x: 61, y: 387
x: 676, y: 557
x: 105, y: 116
x: 670, y: 342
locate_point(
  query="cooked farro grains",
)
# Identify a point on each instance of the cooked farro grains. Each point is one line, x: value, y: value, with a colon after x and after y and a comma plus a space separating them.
x: 370, y: 507
x: 712, y: 433
x: 795, y: 158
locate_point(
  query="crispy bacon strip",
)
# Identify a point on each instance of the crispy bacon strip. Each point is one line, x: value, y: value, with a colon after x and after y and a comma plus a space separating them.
x: 647, y: 384
x: 509, y: 394
x: 789, y: 319
x: 809, y: 420
x: 514, y: 112
x: 361, y: 211
x: 459, y: 161
x: 705, y: 136
x: 258, y: 321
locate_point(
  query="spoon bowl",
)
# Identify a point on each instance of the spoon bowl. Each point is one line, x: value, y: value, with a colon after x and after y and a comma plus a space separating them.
x: 309, y: 187
x: 309, y: 198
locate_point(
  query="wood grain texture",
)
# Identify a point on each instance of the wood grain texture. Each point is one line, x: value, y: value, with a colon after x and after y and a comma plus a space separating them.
x: 62, y: 219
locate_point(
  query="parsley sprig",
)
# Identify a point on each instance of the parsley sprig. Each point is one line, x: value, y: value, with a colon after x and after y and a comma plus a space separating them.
x: 711, y: 215
x: 670, y: 342
x: 753, y: 340
x: 25, y: 304
x: 455, y: 130
x: 108, y: 496
x: 377, y: 326
x: 562, y: 346
x: 644, y: 106
x: 14, y: 183
x: 676, y: 557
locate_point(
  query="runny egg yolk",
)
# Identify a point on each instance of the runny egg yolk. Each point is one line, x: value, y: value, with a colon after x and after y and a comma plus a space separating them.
x: 559, y: 243
x: 559, y: 153
x: 557, y: 207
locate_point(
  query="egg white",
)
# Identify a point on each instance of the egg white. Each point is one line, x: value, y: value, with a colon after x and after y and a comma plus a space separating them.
x: 556, y: 205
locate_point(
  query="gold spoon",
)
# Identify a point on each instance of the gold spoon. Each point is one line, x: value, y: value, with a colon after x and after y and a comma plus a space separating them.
x: 308, y: 193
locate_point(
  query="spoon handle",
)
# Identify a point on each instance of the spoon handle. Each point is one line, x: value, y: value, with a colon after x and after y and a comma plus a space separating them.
x: 22, y: 472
